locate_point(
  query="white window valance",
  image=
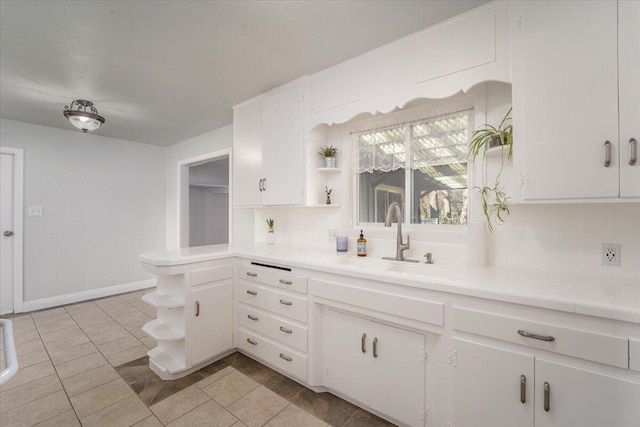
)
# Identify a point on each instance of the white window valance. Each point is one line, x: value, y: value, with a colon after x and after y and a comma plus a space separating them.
x: 441, y: 140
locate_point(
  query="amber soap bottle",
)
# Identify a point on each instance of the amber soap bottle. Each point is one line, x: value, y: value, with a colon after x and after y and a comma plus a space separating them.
x: 362, y: 245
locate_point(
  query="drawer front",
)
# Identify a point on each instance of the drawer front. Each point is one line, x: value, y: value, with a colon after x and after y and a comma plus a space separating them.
x: 288, y: 333
x: 213, y: 274
x: 608, y: 349
x: 634, y: 354
x: 253, y: 319
x: 253, y: 295
x: 288, y: 305
x: 254, y: 345
x: 280, y: 279
x: 289, y: 362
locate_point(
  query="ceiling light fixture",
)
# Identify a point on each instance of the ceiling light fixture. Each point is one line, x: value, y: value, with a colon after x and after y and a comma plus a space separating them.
x: 81, y: 118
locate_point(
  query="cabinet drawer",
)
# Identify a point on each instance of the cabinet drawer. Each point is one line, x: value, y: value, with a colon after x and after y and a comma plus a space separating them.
x: 206, y: 275
x: 253, y: 295
x: 289, y: 362
x: 634, y: 354
x: 608, y: 349
x: 288, y: 333
x: 281, y: 279
x: 254, y: 345
x: 288, y: 306
x: 253, y: 319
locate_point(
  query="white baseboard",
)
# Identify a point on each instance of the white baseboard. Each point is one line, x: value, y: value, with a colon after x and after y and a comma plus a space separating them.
x: 59, y: 300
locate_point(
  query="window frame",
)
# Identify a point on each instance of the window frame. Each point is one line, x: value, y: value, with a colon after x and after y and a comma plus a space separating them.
x: 406, y: 116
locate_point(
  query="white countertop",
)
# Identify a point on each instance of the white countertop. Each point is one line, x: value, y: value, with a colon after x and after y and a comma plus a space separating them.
x: 595, y: 295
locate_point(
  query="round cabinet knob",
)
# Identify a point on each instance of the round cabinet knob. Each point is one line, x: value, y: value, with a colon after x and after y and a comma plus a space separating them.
x: 8, y: 233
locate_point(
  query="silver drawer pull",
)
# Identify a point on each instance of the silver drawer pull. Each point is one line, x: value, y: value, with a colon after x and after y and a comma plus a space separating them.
x: 287, y: 358
x: 252, y: 317
x: 288, y: 331
x: 375, y: 347
x: 197, y: 308
x: 633, y: 151
x: 252, y: 274
x: 286, y: 282
x: 547, y: 392
x: 362, y: 343
x: 607, y: 154
x: 523, y: 388
x: 285, y: 302
x: 252, y: 342
x: 526, y: 334
x: 252, y: 292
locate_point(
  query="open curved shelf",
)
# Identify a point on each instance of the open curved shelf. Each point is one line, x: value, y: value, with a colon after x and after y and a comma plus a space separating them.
x: 160, y: 331
x: 164, y: 361
x: 160, y: 300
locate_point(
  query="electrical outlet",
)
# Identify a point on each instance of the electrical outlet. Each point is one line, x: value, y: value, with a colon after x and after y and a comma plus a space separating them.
x: 34, y: 211
x: 611, y: 254
x: 331, y: 234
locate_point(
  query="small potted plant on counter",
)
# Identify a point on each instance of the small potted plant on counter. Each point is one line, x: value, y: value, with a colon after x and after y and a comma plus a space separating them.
x: 271, y: 236
x: 493, y: 198
x: 329, y: 154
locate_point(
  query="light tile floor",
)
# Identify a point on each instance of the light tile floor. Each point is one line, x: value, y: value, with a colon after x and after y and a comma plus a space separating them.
x: 85, y: 364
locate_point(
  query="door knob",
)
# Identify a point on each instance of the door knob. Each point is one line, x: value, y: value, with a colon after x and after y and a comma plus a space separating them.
x: 8, y: 233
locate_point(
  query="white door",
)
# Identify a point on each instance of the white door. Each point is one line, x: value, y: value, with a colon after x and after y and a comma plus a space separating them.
x: 283, y: 155
x: 348, y: 355
x: 629, y: 64
x: 568, y: 82
x: 247, y: 154
x: 211, y: 328
x: 584, y: 398
x: 487, y: 387
x: 397, y: 386
x: 7, y: 237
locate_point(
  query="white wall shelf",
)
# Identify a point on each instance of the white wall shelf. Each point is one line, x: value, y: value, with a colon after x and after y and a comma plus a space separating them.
x: 160, y: 300
x: 329, y: 170
x: 160, y: 331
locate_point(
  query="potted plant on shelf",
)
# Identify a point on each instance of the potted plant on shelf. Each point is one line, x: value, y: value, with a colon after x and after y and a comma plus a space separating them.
x: 493, y: 198
x: 271, y: 237
x: 329, y: 154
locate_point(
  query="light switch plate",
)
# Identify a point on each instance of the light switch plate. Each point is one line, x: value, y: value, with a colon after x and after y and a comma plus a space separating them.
x: 34, y: 211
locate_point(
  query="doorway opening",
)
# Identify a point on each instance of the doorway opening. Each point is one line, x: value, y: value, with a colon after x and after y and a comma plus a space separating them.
x: 204, y: 204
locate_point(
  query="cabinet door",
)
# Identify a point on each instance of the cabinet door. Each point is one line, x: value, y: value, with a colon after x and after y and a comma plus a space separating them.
x: 568, y: 83
x: 629, y: 64
x: 283, y: 159
x: 584, y: 398
x: 210, y: 321
x: 348, y: 366
x: 247, y: 154
x: 487, y: 387
x: 397, y: 383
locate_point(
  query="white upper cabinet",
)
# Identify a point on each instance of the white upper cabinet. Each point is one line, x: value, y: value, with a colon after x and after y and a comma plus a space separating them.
x: 629, y: 63
x: 269, y: 149
x: 437, y: 62
x: 565, y: 90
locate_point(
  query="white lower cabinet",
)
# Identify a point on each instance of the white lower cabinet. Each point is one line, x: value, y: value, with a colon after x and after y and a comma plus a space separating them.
x: 380, y: 366
x: 211, y: 320
x: 495, y: 387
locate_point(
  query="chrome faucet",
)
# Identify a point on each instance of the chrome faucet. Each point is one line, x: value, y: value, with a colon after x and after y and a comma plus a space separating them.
x: 400, y: 247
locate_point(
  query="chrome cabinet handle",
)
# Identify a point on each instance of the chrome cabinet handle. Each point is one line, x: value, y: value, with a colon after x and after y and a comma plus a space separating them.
x: 249, y: 273
x: 197, y: 308
x: 633, y: 151
x: 260, y: 186
x: 362, y: 343
x: 288, y: 331
x: 254, y: 318
x: 285, y: 302
x: 252, y: 342
x: 264, y: 184
x: 286, y: 282
x: 375, y: 347
x: 547, y: 392
x: 526, y: 334
x: 523, y: 388
x: 250, y: 292
x: 607, y: 154
x: 287, y: 358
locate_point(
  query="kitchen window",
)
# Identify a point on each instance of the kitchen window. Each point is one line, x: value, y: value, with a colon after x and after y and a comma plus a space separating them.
x: 421, y: 164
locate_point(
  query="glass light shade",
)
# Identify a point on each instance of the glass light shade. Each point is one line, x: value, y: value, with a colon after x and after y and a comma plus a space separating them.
x: 85, y: 124
x: 81, y: 118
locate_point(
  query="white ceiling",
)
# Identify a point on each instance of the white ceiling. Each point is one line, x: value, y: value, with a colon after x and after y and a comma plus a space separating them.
x: 162, y: 72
